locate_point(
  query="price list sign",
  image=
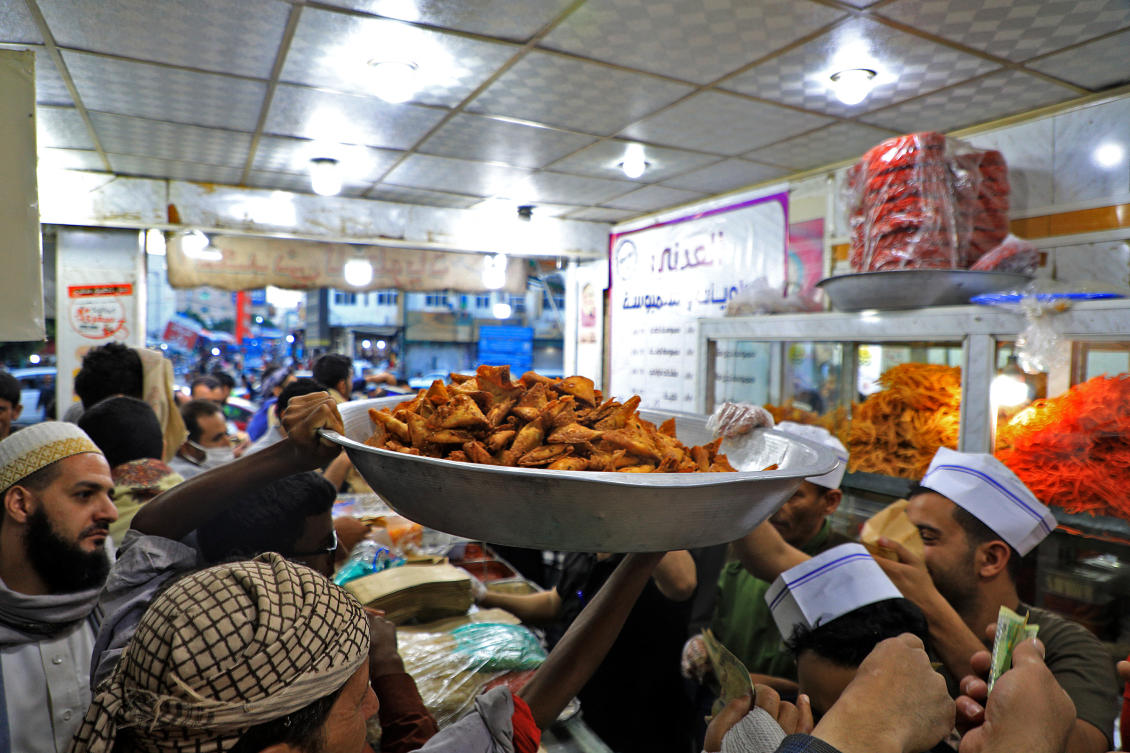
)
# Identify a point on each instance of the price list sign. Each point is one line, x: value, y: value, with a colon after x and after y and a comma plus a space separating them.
x: 667, y: 275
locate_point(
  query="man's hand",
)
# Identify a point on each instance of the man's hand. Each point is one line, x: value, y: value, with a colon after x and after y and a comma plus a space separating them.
x: 897, y: 703
x: 1027, y: 711
x: 695, y: 662
x: 304, y: 415
x: 910, y: 576
x: 383, y: 656
x: 789, y: 718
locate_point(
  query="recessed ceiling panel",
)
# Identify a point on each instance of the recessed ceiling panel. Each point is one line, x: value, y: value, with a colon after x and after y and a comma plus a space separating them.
x: 573, y: 189
x: 61, y: 127
x: 905, y: 67
x: 162, y: 93
x: 510, y: 19
x: 347, y: 118
x: 652, y: 198
x: 723, y: 124
x: 360, y: 164
x: 491, y: 140
x: 214, y: 35
x: 443, y: 174
x: 1095, y: 65
x: 839, y: 141
x: 725, y: 176
x: 148, y: 167
x: 171, y: 141
x: 603, y: 160
x: 1013, y: 29
x: 988, y: 98
x: 562, y: 91
x: 339, y: 51
x: 16, y: 24
x: 686, y: 39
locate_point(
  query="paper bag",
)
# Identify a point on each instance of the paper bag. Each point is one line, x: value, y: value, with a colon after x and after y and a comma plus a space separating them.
x: 891, y: 522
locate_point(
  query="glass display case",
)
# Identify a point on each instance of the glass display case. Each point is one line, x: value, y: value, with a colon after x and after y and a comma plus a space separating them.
x: 896, y: 385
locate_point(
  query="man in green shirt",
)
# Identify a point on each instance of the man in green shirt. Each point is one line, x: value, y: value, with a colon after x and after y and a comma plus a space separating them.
x: 742, y: 620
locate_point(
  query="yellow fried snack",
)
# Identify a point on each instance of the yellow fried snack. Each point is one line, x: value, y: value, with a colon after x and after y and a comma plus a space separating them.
x: 536, y: 422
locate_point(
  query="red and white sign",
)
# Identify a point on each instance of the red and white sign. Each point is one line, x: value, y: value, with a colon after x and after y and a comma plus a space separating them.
x: 99, y: 312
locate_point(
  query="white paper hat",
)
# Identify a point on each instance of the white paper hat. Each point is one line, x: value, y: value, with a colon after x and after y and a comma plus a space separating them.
x: 820, y: 435
x: 831, y: 584
x: 986, y: 488
x: 28, y: 450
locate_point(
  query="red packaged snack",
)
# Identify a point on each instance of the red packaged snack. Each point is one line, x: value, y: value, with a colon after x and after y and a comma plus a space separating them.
x: 1013, y: 255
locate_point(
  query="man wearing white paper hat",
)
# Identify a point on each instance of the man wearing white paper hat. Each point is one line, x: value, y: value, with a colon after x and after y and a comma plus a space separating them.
x: 741, y: 618
x: 977, y: 520
x: 55, y: 485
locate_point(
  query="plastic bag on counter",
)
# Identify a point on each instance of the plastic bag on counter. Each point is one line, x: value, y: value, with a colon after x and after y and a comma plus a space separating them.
x: 450, y: 667
x: 1014, y: 255
x: 760, y: 297
x: 922, y: 201
x: 732, y: 420
x: 367, y: 557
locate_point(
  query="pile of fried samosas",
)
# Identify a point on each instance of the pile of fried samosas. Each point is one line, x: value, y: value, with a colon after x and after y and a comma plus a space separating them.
x: 536, y: 422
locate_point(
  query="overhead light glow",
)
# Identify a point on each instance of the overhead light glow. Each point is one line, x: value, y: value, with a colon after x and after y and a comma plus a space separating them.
x: 358, y: 272
x: 501, y: 310
x: 852, y: 86
x: 381, y: 344
x: 494, y: 271
x: 164, y: 346
x: 1007, y: 391
x: 33, y: 359
x: 1109, y: 154
x: 154, y: 242
x: 290, y: 338
x: 403, y: 10
x: 634, y: 163
x: 366, y: 344
x: 196, y: 245
x: 325, y: 176
x: 215, y: 351
x: 394, y: 81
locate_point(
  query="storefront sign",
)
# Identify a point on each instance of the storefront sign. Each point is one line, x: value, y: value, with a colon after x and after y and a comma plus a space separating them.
x: 667, y: 275
x: 99, y: 312
x: 584, y: 331
x: 242, y: 263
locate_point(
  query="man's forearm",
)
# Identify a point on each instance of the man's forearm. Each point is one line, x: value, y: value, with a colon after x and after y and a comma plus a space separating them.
x: 405, y: 723
x: 675, y: 576
x: 187, y: 506
x: 951, y: 638
x: 1086, y: 738
x: 765, y: 554
x: 537, y: 609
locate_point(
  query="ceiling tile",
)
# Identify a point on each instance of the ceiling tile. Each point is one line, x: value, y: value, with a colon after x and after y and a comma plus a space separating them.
x: 162, y: 93
x: 557, y: 90
x: 602, y: 214
x: 839, y: 141
x: 541, y: 208
x: 70, y: 159
x: 207, y: 34
x: 49, y: 86
x: 988, y: 98
x: 1013, y: 29
x: 334, y: 49
x: 61, y: 127
x: 725, y: 176
x: 510, y: 19
x: 402, y: 195
x: 170, y: 141
x: 442, y: 173
x: 348, y: 118
x: 572, y: 189
x: 490, y: 140
x: 603, y: 160
x: 651, y: 198
x: 723, y: 123
x: 1095, y: 65
x: 279, y: 181
x: 16, y: 24
x: 687, y: 39
x: 163, y: 168
x: 361, y: 164
x: 906, y: 65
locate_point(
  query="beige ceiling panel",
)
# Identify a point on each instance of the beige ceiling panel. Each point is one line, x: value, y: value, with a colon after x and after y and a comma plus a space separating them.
x: 1095, y: 65
x: 650, y: 198
x: 572, y: 189
x: 839, y: 141
x: 477, y: 178
x: 725, y: 176
x: 172, y: 141
x: 490, y: 140
x: 148, y: 167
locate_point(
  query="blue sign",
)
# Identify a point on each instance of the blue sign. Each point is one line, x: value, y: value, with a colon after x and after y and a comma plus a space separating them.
x: 513, y: 346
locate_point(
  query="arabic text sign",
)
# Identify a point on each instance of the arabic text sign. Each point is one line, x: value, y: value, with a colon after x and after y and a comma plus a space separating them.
x: 98, y: 312
x: 665, y: 277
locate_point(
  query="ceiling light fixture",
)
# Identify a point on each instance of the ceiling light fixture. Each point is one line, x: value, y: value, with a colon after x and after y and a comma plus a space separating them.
x: 852, y: 86
x: 501, y: 310
x: 494, y: 272
x: 634, y: 163
x: 358, y: 273
x: 394, y: 81
x: 1109, y: 154
x: 325, y: 176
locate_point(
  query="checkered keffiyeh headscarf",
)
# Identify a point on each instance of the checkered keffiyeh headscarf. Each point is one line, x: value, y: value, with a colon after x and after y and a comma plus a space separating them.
x: 223, y: 650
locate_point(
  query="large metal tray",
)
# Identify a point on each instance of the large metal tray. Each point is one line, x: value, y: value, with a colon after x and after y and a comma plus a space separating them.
x: 914, y: 288
x: 586, y: 511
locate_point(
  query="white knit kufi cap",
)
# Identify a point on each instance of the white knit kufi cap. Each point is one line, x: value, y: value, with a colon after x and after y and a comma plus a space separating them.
x: 831, y: 584
x: 985, y: 488
x: 28, y: 450
x: 820, y: 435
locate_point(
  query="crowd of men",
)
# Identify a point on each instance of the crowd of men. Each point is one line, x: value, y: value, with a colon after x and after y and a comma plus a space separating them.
x: 165, y: 586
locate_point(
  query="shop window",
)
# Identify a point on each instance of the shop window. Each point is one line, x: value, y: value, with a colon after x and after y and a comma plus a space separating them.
x: 482, y: 301
x: 435, y: 299
x: 387, y: 297
x: 345, y: 299
x: 518, y: 304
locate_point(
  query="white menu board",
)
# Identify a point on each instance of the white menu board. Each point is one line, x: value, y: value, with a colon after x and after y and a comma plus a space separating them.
x: 667, y: 275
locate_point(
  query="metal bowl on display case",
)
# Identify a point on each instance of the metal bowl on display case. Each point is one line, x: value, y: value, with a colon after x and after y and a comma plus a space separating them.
x: 585, y: 510
x: 914, y: 288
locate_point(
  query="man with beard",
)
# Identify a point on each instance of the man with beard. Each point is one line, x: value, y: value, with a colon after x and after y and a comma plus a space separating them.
x: 977, y: 520
x: 57, y: 511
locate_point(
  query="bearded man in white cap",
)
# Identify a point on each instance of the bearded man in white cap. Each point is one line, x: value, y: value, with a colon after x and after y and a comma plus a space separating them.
x: 977, y: 520
x: 55, y: 485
